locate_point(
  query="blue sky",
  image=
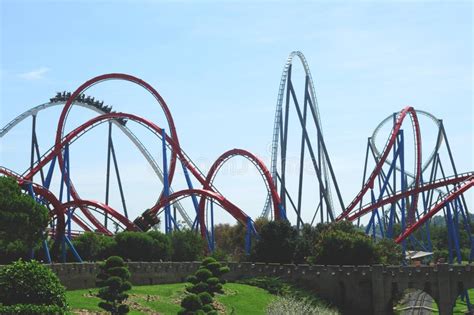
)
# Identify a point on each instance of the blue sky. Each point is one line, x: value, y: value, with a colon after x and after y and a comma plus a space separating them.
x: 218, y: 66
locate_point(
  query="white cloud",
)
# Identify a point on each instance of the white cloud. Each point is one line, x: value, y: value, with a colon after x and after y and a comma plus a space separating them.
x: 36, y: 74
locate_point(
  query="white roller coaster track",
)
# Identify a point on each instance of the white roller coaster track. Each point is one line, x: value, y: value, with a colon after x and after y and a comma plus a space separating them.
x: 439, y: 142
x: 34, y: 111
x: 276, y: 126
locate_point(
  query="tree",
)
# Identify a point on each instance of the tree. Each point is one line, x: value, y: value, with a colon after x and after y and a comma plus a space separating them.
x: 187, y: 245
x: 161, y: 246
x: 113, y: 282
x: 342, y: 243
x: 93, y: 246
x: 388, y: 252
x: 206, y: 282
x: 136, y: 246
x: 276, y: 243
x: 22, y: 221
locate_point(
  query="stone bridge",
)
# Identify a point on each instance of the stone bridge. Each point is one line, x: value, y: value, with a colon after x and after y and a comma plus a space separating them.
x: 355, y: 289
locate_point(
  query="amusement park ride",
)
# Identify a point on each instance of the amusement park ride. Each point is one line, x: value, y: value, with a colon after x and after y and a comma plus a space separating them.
x: 390, y: 193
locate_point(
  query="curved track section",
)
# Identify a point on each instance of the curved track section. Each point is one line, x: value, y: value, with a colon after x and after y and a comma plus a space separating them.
x: 140, y: 146
x: 279, y: 114
x: 432, y: 155
x: 260, y: 166
x: 457, y: 191
x: 453, y: 180
x: 73, y: 135
x: 388, y: 147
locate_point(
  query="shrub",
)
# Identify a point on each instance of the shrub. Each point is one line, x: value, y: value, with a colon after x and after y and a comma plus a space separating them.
x: 113, y: 282
x: 30, y: 283
x: 187, y: 245
x: 31, y: 309
x: 291, y: 306
x: 205, y: 283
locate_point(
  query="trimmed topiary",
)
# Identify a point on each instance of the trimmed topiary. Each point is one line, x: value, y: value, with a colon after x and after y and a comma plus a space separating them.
x: 205, y: 298
x: 205, y: 283
x: 207, y: 308
x: 203, y: 274
x: 113, y: 282
x: 191, y: 302
x: 30, y: 283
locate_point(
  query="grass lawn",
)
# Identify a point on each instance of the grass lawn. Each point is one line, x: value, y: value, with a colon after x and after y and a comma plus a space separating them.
x: 165, y: 299
x: 461, y: 306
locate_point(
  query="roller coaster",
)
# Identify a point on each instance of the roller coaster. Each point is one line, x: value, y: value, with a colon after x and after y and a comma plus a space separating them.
x: 390, y: 195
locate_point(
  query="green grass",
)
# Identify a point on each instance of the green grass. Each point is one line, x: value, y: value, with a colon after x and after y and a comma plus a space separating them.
x: 165, y: 298
x: 245, y: 299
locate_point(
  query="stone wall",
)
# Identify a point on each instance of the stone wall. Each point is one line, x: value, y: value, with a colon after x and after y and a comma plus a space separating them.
x: 356, y: 289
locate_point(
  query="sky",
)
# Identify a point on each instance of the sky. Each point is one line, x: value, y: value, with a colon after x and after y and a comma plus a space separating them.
x: 218, y: 66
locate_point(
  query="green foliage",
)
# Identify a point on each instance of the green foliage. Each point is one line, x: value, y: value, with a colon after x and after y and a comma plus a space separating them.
x: 205, y: 298
x: 162, y: 246
x: 22, y: 221
x: 136, y: 246
x: 30, y: 283
x: 276, y: 243
x: 31, y: 309
x: 229, y: 241
x: 113, y: 282
x: 342, y: 244
x: 187, y: 245
x: 388, y: 252
x: 203, y: 274
x: 191, y: 302
x: 205, y: 283
x: 94, y: 246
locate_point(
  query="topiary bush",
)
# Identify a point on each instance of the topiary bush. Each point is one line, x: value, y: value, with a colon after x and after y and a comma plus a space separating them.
x: 113, y: 282
x: 30, y: 283
x: 206, y: 281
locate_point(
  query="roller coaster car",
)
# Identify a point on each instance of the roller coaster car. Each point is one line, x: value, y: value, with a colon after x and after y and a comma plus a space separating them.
x: 146, y: 220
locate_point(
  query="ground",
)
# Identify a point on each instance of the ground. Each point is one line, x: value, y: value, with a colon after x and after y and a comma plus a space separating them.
x: 165, y: 299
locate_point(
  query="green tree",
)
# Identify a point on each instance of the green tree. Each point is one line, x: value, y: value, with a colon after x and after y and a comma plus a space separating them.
x: 136, y: 246
x: 22, y: 221
x: 206, y: 282
x: 342, y: 243
x: 94, y: 246
x: 276, y: 243
x: 388, y: 252
x: 113, y: 282
x: 187, y: 245
x: 161, y: 246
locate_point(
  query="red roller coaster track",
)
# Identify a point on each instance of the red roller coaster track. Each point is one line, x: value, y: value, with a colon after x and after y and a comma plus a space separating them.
x: 376, y: 172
